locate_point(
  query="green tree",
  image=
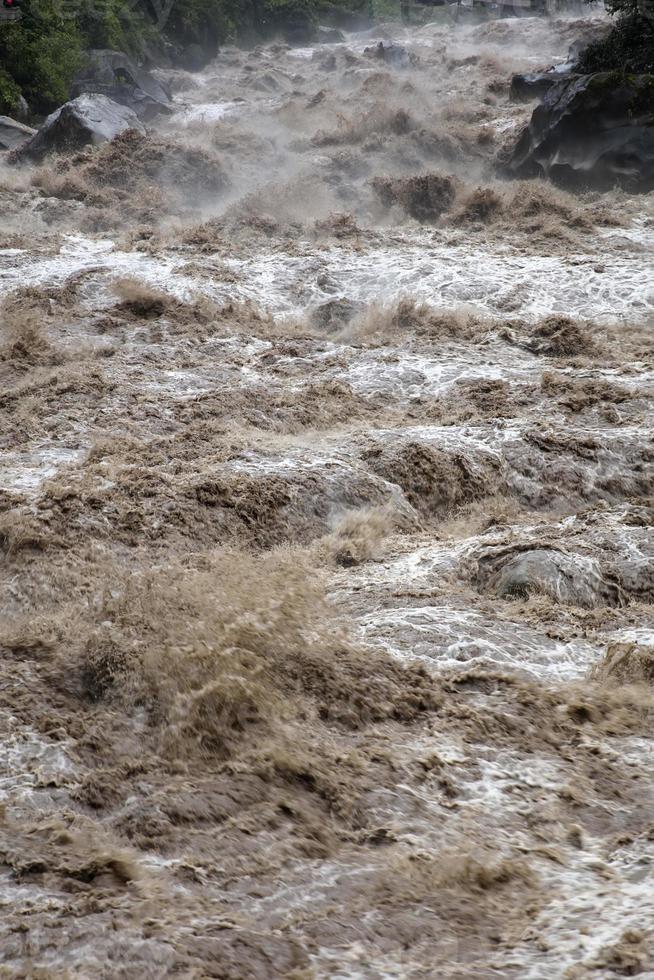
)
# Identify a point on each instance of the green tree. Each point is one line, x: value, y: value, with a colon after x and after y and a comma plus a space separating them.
x: 118, y: 24
x: 9, y: 94
x: 41, y: 53
x: 628, y: 47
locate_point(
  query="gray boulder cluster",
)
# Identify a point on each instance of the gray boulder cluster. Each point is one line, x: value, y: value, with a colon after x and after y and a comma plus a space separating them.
x: 87, y: 120
x: 536, y: 84
x: 110, y: 94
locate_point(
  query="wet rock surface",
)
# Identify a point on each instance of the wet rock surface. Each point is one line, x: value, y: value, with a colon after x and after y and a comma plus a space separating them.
x: 592, y: 131
x: 113, y: 74
x: 533, y: 85
x: 13, y: 133
x: 88, y: 119
x: 334, y: 314
x: 564, y: 578
x: 325, y: 534
x: 526, y: 86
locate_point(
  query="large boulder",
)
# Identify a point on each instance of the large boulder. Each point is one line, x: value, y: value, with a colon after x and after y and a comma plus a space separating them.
x: 334, y: 314
x: 113, y: 74
x: 89, y: 119
x: 535, y: 84
x: 591, y: 131
x: 13, y: 133
x: 518, y: 572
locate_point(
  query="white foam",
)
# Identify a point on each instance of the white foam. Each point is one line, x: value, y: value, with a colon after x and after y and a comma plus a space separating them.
x: 484, y: 277
x: 25, y: 472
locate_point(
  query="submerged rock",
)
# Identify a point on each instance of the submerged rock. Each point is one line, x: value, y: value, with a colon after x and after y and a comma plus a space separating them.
x: 89, y: 119
x: 390, y: 53
x: 572, y: 579
x: 592, y: 131
x: 626, y: 663
x: 113, y: 74
x: 335, y: 313
x: 13, y: 133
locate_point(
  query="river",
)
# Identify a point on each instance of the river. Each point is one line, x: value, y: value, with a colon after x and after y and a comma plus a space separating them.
x: 325, y: 523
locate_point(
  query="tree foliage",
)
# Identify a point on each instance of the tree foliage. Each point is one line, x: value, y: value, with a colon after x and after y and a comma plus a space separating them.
x: 40, y: 54
x: 9, y: 94
x: 628, y: 47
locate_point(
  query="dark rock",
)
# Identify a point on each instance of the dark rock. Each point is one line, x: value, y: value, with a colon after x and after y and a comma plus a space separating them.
x: 330, y: 35
x: 534, y: 85
x: 390, y: 53
x: 335, y: 313
x: 326, y: 61
x: 13, y: 133
x: 89, y: 119
x: 636, y: 577
x: 268, y: 81
x: 517, y: 573
x: 113, y: 74
x: 591, y: 131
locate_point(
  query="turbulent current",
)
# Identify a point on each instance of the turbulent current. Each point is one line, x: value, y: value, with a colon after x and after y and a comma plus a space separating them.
x: 327, y: 566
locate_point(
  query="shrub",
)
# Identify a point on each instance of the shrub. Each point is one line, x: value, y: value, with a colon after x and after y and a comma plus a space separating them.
x: 629, y: 46
x: 9, y: 94
x: 41, y: 53
x: 114, y: 24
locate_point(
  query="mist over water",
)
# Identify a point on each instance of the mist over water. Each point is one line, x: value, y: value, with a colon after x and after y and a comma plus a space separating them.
x: 325, y: 520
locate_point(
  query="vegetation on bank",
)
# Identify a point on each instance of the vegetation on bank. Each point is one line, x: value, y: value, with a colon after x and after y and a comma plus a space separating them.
x: 628, y: 47
x: 40, y: 54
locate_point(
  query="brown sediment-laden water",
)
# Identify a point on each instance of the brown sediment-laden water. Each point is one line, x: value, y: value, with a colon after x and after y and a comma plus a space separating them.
x: 326, y: 504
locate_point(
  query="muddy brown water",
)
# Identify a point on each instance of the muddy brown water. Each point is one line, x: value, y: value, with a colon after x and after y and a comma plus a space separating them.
x: 326, y: 542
